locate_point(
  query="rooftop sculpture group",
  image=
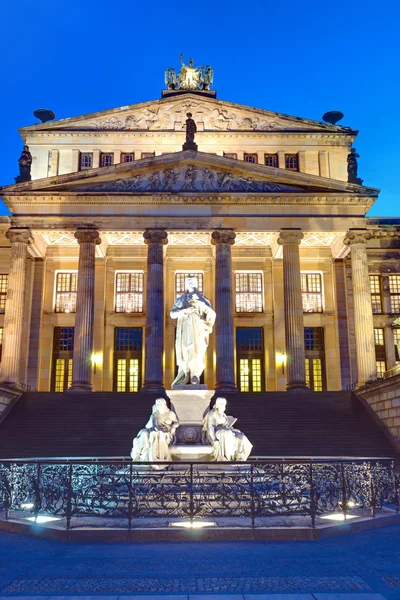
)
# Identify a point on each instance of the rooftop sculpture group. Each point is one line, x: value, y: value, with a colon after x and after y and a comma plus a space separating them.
x: 189, y: 77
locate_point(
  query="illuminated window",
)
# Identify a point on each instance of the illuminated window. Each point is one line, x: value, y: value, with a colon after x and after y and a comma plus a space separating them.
x: 230, y: 155
x: 66, y: 289
x: 380, y: 368
x: 394, y: 289
x: 250, y: 358
x: 314, y: 378
x: 129, y: 292
x: 127, y: 157
x: 148, y: 154
x: 380, y: 352
x: 311, y: 291
x: 127, y: 358
x: 271, y: 160
x: 180, y: 282
x: 63, y: 348
x: 376, y: 298
x: 291, y: 162
x: 248, y: 292
x: 251, y: 158
x: 396, y: 336
x: 3, y: 292
x: 379, y: 337
x: 315, y: 358
x: 1, y: 341
x: 106, y: 159
x: 85, y: 160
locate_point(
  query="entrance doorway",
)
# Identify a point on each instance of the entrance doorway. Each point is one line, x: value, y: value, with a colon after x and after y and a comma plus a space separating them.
x: 250, y: 358
x: 63, y: 350
x: 315, y: 358
x: 128, y: 346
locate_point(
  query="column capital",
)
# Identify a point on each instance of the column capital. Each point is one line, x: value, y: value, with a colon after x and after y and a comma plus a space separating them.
x: 223, y: 236
x: 19, y: 234
x: 357, y: 236
x: 290, y: 236
x: 88, y: 236
x: 155, y: 236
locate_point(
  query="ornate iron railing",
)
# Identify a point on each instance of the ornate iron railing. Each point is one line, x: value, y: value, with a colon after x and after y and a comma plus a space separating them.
x: 127, y: 492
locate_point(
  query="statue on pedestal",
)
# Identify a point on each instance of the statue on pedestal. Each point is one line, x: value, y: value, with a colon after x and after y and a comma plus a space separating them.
x: 25, y: 163
x: 152, y: 443
x: 196, y: 319
x: 189, y: 76
x: 228, y: 443
x: 191, y: 129
x: 352, y: 167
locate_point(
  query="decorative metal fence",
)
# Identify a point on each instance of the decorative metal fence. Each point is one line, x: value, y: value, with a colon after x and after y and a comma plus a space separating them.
x: 127, y: 492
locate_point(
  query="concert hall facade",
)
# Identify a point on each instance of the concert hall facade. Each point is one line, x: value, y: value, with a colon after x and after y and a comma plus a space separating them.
x: 305, y: 286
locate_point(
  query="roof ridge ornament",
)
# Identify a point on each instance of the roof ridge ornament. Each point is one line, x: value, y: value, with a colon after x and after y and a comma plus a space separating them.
x: 189, y: 79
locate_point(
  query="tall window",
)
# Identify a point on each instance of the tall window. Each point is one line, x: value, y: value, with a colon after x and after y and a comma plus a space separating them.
x: 106, y: 159
x: 396, y: 337
x: 380, y: 352
x: 180, y: 282
x: 376, y: 297
x: 315, y: 358
x: 248, y: 292
x: 394, y: 289
x: 292, y: 162
x: 1, y: 341
x: 311, y: 292
x: 63, y: 349
x: 271, y: 160
x: 128, y: 345
x: 250, y: 358
x: 3, y: 292
x: 66, y: 288
x: 251, y: 158
x: 129, y: 292
x: 127, y: 157
x: 85, y: 160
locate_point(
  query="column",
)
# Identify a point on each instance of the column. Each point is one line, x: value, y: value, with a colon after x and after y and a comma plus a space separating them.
x: 155, y: 239
x: 14, y: 309
x: 88, y: 239
x: 363, y: 317
x: 224, y: 337
x: 293, y: 307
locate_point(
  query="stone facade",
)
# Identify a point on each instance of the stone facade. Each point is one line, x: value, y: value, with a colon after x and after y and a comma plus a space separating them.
x: 221, y: 216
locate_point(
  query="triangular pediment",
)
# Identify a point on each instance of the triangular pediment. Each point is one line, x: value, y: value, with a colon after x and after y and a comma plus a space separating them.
x: 186, y: 173
x: 169, y: 114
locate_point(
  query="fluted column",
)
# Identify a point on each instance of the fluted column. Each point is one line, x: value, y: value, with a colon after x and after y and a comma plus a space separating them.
x: 224, y: 336
x: 294, y: 326
x: 83, y: 336
x: 363, y: 316
x: 154, y: 338
x: 14, y: 309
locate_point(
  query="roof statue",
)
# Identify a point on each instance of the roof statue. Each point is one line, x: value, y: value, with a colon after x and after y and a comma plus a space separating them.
x: 189, y: 77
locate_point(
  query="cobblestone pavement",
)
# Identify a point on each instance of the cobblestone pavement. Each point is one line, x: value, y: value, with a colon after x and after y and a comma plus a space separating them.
x: 363, y: 566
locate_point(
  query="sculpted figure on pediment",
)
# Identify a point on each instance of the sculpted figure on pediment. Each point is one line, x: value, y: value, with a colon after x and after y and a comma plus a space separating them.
x: 190, y: 178
x: 170, y: 179
x: 154, y: 182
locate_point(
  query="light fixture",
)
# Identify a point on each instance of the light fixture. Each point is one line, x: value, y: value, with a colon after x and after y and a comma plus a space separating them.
x: 339, y: 517
x: 283, y: 361
x: 193, y: 524
x: 43, y: 519
x: 27, y: 505
x: 67, y: 310
x: 96, y: 360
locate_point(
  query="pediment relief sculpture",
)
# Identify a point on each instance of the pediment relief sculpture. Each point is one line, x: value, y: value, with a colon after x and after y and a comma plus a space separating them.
x: 190, y: 178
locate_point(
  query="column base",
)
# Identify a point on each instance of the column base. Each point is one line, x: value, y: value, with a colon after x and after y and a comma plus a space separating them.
x: 225, y: 387
x: 296, y: 386
x: 80, y: 387
x: 153, y: 388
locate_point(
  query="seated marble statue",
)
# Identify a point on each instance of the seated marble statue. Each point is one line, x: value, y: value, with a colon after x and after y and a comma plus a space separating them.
x: 228, y: 443
x: 152, y: 443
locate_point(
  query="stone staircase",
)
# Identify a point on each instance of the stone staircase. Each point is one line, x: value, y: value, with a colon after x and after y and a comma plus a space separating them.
x: 46, y: 424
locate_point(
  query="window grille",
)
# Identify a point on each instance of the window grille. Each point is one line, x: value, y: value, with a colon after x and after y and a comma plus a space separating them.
x: 396, y: 337
x: 379, y: 337
x: 380, y: 368
x: 250, y: 358
x: 128, y: 374
x: 291, y: 162
x: 180, y: 282
x: 128, y: 339
x: 380, y: 352
x: 249, y: 339
x: 376, y: 298
x: 63, y: 339
x: 394, y: 289
x: 314, y: 338
x: 3, y: 292
x: 85, y: 160
x: 66, y: 292
x: 271, y: 160
x: 129, y: 292
x: 251, y: 158
x: 106, y: 159
x: 1, y: 341
x: 311, y: 292
x: 127, y: 157
x: 248, y: 292
x: 230, y: 155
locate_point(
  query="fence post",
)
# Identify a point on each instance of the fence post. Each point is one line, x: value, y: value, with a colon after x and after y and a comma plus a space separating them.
x: 252, y: 506
x: 38, y: 502
x: 372, y: 491
x: 191, y: 500
x: 344, y: 491
x: 312, y: 497
x: 130, y: 505
x: 69, y: 496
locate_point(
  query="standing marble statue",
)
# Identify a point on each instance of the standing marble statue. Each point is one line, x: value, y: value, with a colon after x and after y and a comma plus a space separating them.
x: 228, y: 443
x: 152, y: 443
x: 25, y: 163
x: 189, y: 76
x: 196, y: 319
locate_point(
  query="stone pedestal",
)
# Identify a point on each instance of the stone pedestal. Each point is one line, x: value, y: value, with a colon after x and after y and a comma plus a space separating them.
x: 224, y: 335
x: 190, y: 407
x: 14, y: 309
x: 154, y: 338
x: 294, y: 326
x: 363, y: 316
x: 83, y: 336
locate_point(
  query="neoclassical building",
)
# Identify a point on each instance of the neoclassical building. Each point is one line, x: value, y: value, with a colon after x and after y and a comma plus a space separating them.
x: 306, y: 287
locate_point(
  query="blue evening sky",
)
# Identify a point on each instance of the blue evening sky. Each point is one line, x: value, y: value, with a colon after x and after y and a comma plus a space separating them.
x: 297, y: 57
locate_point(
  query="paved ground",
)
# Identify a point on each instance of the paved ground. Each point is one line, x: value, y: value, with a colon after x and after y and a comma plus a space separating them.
x: 360, y: 566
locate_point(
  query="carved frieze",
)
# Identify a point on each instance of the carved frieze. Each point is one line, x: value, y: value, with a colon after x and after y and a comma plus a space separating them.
x: 312, y: 239
x: 190, y: 178
x: 253, y: 238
